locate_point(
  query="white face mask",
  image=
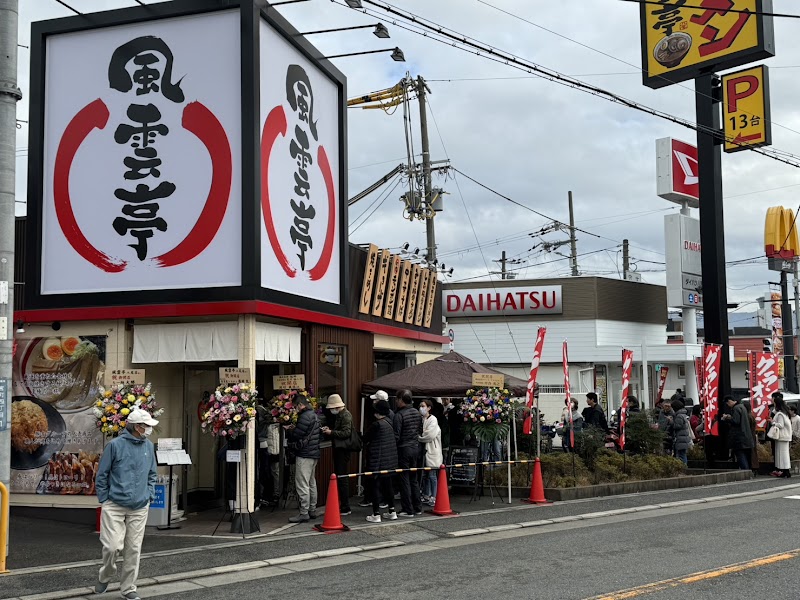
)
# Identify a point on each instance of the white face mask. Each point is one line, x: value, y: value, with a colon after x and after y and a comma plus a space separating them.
x: 336, y: 411
x: 147, y: 431
x: 423, y: 410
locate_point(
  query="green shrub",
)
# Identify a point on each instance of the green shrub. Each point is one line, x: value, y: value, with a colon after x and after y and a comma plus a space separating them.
x: 696, y: 453
x: 520, y: 473
x: 588, y: 443
x: 608, y: 468
x: 651, y: 466
x: 640, y: 438
x: 557, y: 470
x: 765, y: 452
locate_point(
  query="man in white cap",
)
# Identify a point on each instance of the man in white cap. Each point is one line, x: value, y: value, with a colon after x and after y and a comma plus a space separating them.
x: 125, y: 486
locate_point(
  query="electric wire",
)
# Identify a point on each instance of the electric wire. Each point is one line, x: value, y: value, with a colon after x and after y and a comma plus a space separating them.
x: 459, y: 41
x: 730, y: 10
x: 385, y: 196
x: 65, y: 5
x: 611, y: 56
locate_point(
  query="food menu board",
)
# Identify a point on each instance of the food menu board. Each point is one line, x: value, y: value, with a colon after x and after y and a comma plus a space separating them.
x: 55, y: 442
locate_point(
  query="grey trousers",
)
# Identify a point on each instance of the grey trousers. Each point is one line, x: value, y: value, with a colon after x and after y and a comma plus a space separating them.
x: 121, y: 531
x: 306, y: 484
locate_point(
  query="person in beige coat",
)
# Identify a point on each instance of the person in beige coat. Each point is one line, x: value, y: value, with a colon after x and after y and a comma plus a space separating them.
x: 432, y: 438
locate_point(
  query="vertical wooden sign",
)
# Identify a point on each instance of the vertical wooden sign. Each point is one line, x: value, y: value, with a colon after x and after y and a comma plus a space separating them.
x: 395, y: 265
x: 402, y: 294
x: 380, y: 287
x: 369, y: 280
x: 413, y: 291
x: 433, y: 289
x: 422, y: 297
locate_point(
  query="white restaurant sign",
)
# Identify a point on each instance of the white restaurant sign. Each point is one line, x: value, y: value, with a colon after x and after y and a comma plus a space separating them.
x: 503, y: 301
x: 142, y: 143
x: 300, y: 117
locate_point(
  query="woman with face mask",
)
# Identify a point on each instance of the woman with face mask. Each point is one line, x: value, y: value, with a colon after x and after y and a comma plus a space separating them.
x: 340, y: 430
x: 432, y: 438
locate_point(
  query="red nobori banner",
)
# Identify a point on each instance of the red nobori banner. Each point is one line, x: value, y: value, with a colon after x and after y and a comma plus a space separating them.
x: 712, y: 358
x: 627, y: 363
x: 531, y: 394
x: 698, y: 375
x: 763, y: 383
x: 662, y: 380
x: 567, y: 394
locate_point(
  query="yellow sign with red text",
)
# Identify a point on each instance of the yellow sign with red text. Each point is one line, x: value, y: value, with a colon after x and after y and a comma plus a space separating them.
x: 745, y: 109
x: 682, y: 37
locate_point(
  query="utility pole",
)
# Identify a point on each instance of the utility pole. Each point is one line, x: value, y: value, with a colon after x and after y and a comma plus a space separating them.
x: 502, y: 262
x: 573, y: 247
x: 9, y: 96
x: 789, y: 371
x: 625, y: 259
x: 426, y: 169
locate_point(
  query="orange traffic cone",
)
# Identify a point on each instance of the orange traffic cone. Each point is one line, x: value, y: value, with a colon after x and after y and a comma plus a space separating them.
x: 332, y: 520
x: 537, y: 485
x: 442, y: 506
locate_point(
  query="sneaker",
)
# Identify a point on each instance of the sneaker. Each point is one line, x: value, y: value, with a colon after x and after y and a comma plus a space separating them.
x: 300, y: 519
x: 100, y: 587
x: 383, y: 505
x: 390, y: 516
x: 364, y: 503
x: 418, y: 511
x: 374, y: 518
x: 408, y: 514
x: 131, y: 596
x: 344, y: 513
x: 430, y: 502
x: 312, y: 514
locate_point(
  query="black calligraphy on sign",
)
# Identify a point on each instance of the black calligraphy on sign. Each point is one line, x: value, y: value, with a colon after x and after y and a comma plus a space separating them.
x: 668, y: 15
x: 301, y: 99
x: 142, y: 133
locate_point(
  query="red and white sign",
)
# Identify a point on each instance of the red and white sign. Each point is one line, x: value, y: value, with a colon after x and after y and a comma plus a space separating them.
x: 505, y: 301
x: 676, y: 171
x: 531, y: 392
x: 662, y: 380
x: 568, y: 393
x: 627, y: 363
x: 712, y: 359
x: 300, y: 144
x: 764, y: 382
x: 141, y: 159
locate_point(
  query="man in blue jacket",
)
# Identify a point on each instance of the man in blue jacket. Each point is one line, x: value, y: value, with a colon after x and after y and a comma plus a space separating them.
x: 125, y: 486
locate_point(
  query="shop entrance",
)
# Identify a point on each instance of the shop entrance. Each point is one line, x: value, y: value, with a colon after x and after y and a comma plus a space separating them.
x: 204, y: 478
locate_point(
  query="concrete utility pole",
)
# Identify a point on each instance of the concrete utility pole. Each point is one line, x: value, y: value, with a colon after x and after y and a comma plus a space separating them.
x: 625, y: 259
x: 789, y: 370
x: 426, y: 169
x: 503, y: 260
x: 9, y: 96
x: 573, y: 246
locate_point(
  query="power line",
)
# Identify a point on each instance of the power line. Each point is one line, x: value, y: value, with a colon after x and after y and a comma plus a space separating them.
x: 616, y: 58
x: 441, y: 34
x: 387, y: 193
x: 65, y: 5
x: 730, y: 10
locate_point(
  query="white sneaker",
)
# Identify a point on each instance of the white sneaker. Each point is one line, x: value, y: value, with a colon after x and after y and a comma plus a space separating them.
x: 390, y: 516
x: 374, y: 518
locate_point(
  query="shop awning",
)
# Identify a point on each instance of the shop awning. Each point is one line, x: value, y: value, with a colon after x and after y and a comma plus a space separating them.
x: 212, y: 342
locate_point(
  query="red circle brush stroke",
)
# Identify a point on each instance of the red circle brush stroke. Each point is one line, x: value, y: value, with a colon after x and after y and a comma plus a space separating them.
x: 275, y: 126
x: 197, y: 119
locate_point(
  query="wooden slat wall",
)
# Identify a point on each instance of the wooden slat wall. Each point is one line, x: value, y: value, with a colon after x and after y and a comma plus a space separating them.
x: 360, y: 369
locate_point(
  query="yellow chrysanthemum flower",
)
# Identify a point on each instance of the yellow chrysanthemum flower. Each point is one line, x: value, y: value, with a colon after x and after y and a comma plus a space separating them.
x: 131, y: 398
x: 104, y: 419
x: 125, y: 412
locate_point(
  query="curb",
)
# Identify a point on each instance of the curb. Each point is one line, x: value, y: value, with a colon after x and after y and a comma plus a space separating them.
x: 174, y: 577
x: 613, y: 513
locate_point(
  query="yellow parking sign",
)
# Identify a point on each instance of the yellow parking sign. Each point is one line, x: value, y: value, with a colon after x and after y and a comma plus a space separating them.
x: 745, y: 109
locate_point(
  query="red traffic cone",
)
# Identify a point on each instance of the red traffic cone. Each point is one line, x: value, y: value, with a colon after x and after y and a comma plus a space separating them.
x: 442, y: 506
x: 537, y: 485
x: 332, y: 520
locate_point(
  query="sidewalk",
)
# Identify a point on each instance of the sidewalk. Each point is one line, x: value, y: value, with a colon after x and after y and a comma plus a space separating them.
x: 49, y: 558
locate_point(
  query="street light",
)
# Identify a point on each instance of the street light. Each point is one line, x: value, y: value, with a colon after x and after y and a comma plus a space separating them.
x: 380, y: 30
x: 397, y: 54
x: 354, y: 3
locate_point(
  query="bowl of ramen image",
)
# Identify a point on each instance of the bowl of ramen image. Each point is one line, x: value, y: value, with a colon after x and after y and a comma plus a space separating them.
x: 670, y: 51
x: 37, y: 432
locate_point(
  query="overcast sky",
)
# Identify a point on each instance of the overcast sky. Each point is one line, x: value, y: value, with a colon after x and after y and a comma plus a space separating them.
x: 530, y: 139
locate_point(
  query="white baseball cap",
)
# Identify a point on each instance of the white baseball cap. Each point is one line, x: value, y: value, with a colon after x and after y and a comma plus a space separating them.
x: 141, y: 417
x: 380, y: 395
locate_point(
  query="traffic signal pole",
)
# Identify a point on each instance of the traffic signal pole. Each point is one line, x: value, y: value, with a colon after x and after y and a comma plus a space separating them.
x: 708, y: 97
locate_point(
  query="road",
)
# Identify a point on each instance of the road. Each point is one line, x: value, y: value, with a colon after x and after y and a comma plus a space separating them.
x: 715, y: 544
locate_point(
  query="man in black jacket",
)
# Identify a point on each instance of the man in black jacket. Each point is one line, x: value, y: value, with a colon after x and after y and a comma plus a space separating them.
x: 594, y: 416
x: 304, y: 441
x: 407, y: 429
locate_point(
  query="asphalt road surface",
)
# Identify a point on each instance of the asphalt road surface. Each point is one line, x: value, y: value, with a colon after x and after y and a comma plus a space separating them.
x: 734, y: 549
